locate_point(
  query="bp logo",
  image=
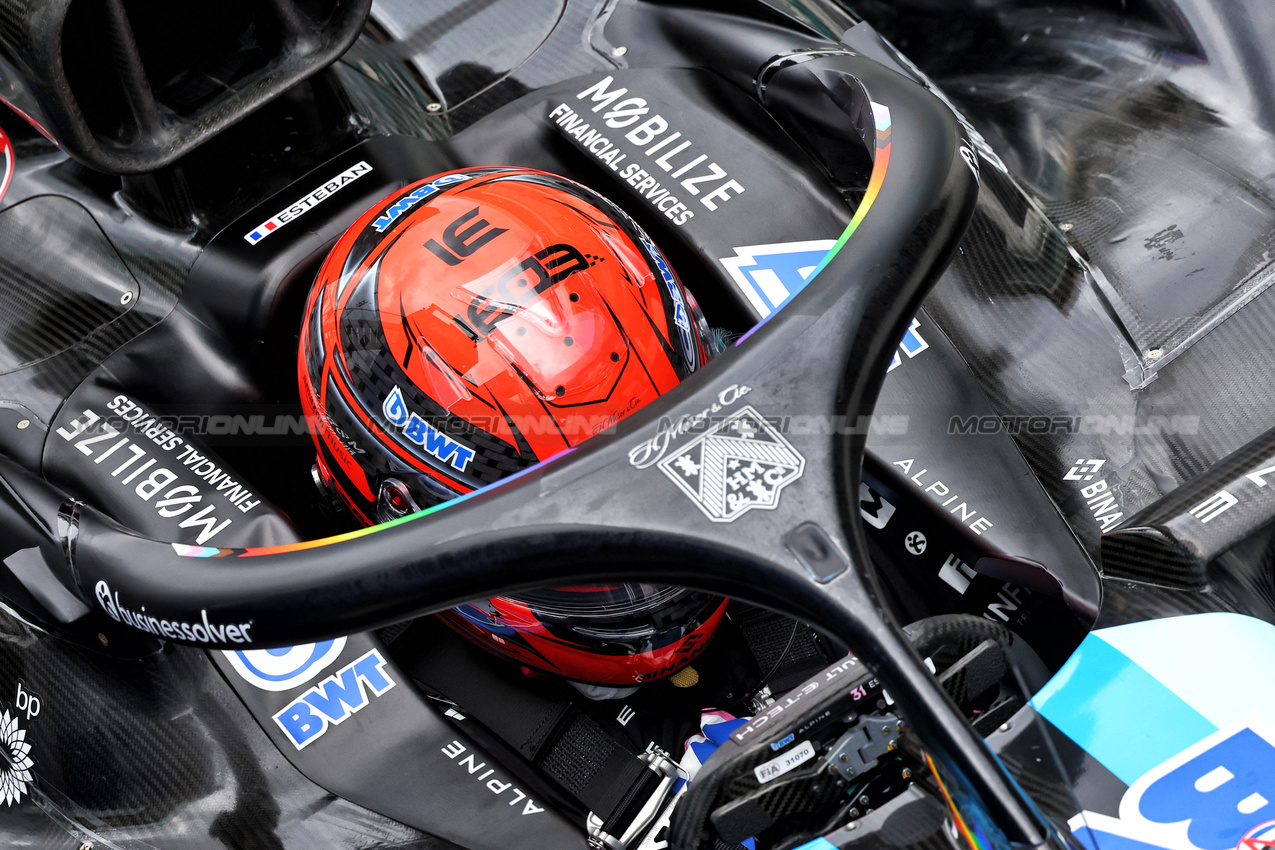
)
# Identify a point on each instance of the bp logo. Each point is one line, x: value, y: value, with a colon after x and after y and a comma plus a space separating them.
x: 15, y: 760
x: 739, y: 464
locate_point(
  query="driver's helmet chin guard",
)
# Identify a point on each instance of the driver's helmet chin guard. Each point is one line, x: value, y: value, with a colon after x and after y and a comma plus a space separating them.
x: 471, y: 325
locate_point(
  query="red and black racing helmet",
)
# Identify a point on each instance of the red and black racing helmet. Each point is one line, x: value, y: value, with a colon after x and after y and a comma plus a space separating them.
x: 477, y: 322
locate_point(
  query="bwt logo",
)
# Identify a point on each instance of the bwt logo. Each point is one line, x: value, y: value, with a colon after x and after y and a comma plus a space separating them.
x: 424, y: 434
x: 334, y: 699
x: 1212, y: 796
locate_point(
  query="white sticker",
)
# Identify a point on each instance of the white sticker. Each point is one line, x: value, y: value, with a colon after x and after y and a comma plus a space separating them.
x: 303, y: 205
x: 739, y: 464
x: 777, y: 767
x: 15, y: 772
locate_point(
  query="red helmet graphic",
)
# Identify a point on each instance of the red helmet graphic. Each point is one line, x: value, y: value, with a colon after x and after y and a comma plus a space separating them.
x: 473, y: 324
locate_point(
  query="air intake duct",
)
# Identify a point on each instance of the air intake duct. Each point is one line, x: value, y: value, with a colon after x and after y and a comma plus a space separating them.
x: 129, y: 86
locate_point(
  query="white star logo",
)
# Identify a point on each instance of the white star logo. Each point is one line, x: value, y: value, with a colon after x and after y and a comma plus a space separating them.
x: 15, y: 760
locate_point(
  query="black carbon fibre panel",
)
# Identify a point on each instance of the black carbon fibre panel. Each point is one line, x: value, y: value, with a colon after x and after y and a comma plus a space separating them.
x: 1025, y: 352
x: 494, y: 37
x: 1173, y: 541
x: 559, y: 56
x: 61, y: 282
x: 1241, y: 580
x: 1161, y: 357
x: 143, y: 253
x: 158, y: 753
x: 1061, y: 777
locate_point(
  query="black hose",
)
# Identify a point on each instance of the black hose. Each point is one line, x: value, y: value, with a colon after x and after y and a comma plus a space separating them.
x: 962, y: 632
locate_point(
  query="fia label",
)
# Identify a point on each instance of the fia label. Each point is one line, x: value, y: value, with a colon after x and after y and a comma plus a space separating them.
x: 777, y: 767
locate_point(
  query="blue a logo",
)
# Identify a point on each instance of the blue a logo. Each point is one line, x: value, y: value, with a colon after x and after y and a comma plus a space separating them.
x: 1211, y: 796
x: 912, y: 344
x: 334, y: 699
x: 770, y: 275
x: 286, y: 667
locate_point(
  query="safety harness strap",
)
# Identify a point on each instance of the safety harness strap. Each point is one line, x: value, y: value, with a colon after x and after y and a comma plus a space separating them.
x: 619, y: 788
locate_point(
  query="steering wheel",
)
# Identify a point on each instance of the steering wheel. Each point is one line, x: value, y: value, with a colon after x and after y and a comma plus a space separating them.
x: 611, y: 509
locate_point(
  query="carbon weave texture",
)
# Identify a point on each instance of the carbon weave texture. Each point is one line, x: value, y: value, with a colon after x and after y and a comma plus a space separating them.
x: 580, y: 751
x: 161, y: 753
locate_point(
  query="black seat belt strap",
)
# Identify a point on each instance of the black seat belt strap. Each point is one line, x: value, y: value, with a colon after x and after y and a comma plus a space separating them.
x: 622, y: 791
x: 598, y: 771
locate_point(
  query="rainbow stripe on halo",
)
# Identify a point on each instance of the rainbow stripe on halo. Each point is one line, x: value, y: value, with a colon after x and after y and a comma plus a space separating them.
x: 880, y: 164
x: 973, y: 837
x: 362, y: 532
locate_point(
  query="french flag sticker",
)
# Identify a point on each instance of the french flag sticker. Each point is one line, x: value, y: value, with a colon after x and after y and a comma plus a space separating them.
x: 304, y: 205
x: 262, y: 232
